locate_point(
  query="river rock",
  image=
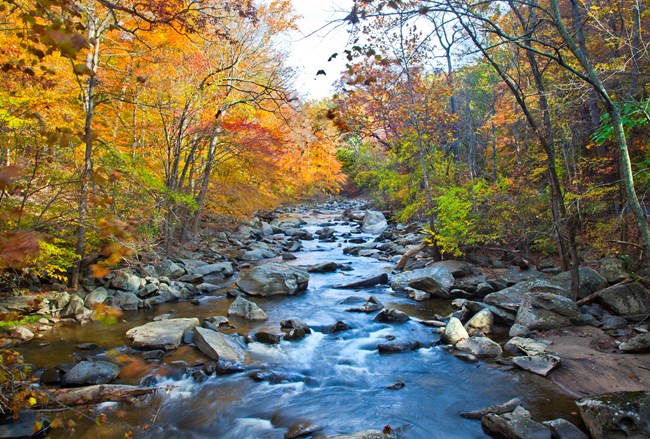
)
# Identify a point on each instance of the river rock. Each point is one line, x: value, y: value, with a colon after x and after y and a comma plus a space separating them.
x: 217, y: 346
x: 97, y: 296
x: 268, y: 337
x: 517, y: 330
x: 365, y: 283
x: 435, y: 281
x: 613, y: 269
x: 510, y: 298
x: 294, y: 324
x: 546, y: 311
x: 480, y: 323
x: 325, y: 267
x: 274, y: 279
x: 126, y: 301
x: 397, y: 347
x: 390, y: 315
x: 164, y: 334
x: 126, y: 281
x: 90, y: 372
x: 368, y: 434
x: 454, y: 332
x: 302, y: 428
x: 563, y: 429
x: 590, y: 281
x: 223, y: 269
x: 497, y: 409
x: 457, y: 269
x: 21, y: 334
x: 479, y: 346
x: 74, y: 308
x: 639, y: 343
x: 515, y: 425
x: 374, y: 222
x: 371, y: 305
x: 631, y: 301
x: 218, y: 321
x: 43, y: 303
x: 525, y: 345
x: 294, y: 334
x: 170, y: 269
x: 539, y: 364
x: 246, y: 309
x: 617, y: 415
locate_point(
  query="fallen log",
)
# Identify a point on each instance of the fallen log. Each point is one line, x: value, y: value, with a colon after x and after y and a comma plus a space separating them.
x: 409, y: 254
x: 95, y: 394
x: 593, y: 296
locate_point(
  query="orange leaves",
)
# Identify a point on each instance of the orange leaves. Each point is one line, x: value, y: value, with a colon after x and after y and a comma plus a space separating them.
x: 16, y: 247
x: 8, y: 174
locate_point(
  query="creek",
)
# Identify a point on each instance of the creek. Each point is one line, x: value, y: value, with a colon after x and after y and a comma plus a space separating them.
x: 337, y: 381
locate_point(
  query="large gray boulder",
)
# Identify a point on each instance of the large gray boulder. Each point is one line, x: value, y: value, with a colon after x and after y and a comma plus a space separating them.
x: 563, y: 429
x: 639, y: 343
x: 274, y: 279
x: 540, y: 364
x: 515, y: 425
x: 368, y: 434
x: 246, y: 309
x: 480, y: 323
x: 546, y: 311
x: 126, y: 301
x: 479, y: 346
x: 613, y: 269
x: 218, y: 346
x: 90, y: 372
x: 224, y: 269
x: 590, y: 281
x: 454, y: 332
x: 170, y: 269
x: 510, y: 298
x: 96, y: 297
x: 631, y: 301
x: 456, y: 268
x: 435, y: 281
x: 374, y: 222
x: 126, y: 281
x: 164, y: 334
x: 617, y: 415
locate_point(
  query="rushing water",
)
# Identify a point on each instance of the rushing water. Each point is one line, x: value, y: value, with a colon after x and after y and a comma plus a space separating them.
x: 338, y: 381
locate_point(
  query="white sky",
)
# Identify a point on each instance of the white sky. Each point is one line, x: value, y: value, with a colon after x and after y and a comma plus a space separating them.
x: 309, y: 53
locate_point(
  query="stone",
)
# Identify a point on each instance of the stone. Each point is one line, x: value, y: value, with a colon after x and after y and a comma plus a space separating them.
x: 294, y: 334
x: 302, y: 428
x: 365, y: 283
x: 274, y: 279
x: 74, y: 308
x: 631, y: 301
x: 526, y: 345
x: 21, y: 428
x: 483, y: 289
x: 90, y: 372
x: 246, y: 309
x: 497, y: 409
x: 517, y: 330
x: 97, y: 296
x: 510, y: 298
x: 295, y: 324
x: 390, y: 315
x: 480, y: 323
x: 563, y: 429
x: 170, y: 269
x: 457, y: 269
x: 613, y: 269
x: 218, y: 347
x: 454, y: 332
x: 339, y: 327
x: 325, y: 267
x: 126, y: 281
x: 268, y: 337
x: 546, y: 311
x: 126, y: 301
x: 21, y: 334
x: 514, y: 426
x: 399, y: 385
x: 617, y: 415
x: 433, y: 280
x: 397, y: 347
x: 540, y: 364
x: 218, y: 321
x: 590, y: 281
x: 479, y: 346
x: 367, y: 434
x: 164, y: 334
x: 639, y: 343
x: 374, y: 222
x: 371, y: 305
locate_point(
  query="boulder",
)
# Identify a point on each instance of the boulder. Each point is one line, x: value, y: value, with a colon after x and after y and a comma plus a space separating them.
x: 97, y: 296
x: 479, y: 346
x: 525, y: 345
x: 590, y: 281
x: 295, y: 324
x: 368, y: 434
x: 517, y: 330
x: 90, y: 372
x: 540, y: 364
x: 126, y: 301
x: 218, y: 270
x: 268, y: 337
x: 380, y: 279
x: 274, y: 279
x: 510, y: 298
x: 454, y: 332
x: 126, y: 281
x: 21, y: 334
x: 374, y: 222
x: 164, y: 334
x: 74, y: 308
x: 639, y: 343
x: 457, y: 269
x: 246, y: 309
x: 497, y: 409
x: 515, y: 425
x: 563, y: 429
x: 480, y: 323
x: 371, y: 305
x: 617, y: 415
x: 217, y: 346
x: 325, y: 267
x: 390, y: 315
x: 435, y: 281
x: 546, y: 311
x: 613, y: 269
x: 397, y: 347
x: 631, y: 301
x: 302, y: 428
x: 293, y: 334
x: 170, y: 269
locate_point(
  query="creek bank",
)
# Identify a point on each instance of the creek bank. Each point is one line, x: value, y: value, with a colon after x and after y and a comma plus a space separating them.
x: 527, y: 303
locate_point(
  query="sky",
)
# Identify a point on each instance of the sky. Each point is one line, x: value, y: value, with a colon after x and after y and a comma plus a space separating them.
x: 311, y: 48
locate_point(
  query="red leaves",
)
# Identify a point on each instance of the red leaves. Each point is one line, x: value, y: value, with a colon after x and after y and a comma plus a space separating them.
x: 8, y: 174
x: 15, y: 247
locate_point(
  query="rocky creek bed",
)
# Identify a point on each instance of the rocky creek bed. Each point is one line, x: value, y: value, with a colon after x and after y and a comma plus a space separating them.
x: 297, y: 326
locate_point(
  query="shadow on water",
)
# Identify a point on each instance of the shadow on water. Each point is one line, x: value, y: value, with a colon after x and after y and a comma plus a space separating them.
x: 338, y: 381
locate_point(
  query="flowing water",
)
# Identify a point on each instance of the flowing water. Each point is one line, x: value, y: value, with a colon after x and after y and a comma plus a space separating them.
x: 337, y: 381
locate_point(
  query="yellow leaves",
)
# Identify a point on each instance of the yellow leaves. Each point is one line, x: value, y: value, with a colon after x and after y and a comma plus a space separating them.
x: 32, y: 401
